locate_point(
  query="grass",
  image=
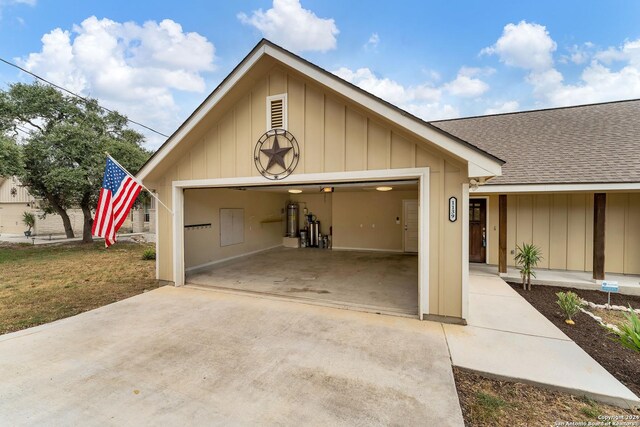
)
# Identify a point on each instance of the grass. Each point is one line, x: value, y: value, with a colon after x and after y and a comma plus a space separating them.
x: 40, y: 284
x: 489, y: 402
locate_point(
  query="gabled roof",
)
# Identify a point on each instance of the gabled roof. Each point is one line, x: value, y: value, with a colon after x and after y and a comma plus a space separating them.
x: 481, y: 162
x: 596, y: 143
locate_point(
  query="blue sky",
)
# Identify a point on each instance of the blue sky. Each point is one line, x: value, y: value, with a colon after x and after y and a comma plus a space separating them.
x: 156, y: 61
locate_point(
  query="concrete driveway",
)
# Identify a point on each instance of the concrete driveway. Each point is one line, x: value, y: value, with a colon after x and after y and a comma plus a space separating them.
x: 193, y: 357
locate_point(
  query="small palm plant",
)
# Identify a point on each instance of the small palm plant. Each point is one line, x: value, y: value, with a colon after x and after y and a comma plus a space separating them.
x: 570, y: 304
x: 628, y: 334
x: 527, y: 257
x: 29, y: 220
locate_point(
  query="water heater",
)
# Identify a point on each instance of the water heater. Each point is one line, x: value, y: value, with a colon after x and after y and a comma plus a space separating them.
x: 292, y: 220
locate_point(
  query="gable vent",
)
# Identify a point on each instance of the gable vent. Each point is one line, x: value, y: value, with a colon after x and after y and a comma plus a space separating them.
x: 277, y: 111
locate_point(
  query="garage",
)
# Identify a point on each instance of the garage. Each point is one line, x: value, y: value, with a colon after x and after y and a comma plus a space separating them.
x: 281, y: 133
x: 349, y: 244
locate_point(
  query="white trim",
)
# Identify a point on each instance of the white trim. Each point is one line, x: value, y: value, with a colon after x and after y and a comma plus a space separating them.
x: 157, y: 233
x: 448, y: 143
x: 549, y: 188
x: 199, y: 114
x: 436, y: 137
x: 178, y: 236
x: 465, y: 251
x: 285, y: 122
x: 487, y: 222
x: 219, y: 261
x: 422, y: 174
x: 346, y: 248
x: 424, y: 204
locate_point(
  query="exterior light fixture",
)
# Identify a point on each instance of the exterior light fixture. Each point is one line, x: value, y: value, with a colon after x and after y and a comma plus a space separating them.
x: 294, y: 191
x: 327, y: 189
x: 384, y: 188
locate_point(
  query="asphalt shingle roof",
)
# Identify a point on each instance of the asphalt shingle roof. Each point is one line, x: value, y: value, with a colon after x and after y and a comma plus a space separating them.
x: 598, y: 143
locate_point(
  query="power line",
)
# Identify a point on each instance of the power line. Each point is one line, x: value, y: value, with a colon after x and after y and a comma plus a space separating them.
x: 76, y: 95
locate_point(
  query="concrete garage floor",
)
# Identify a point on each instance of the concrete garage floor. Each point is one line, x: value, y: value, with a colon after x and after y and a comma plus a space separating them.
x: 370, y: 281
x: 180, y: 356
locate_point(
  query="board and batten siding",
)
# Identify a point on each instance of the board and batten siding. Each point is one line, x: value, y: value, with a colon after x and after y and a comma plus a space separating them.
x: 561, y: 225
x: 334, y: 136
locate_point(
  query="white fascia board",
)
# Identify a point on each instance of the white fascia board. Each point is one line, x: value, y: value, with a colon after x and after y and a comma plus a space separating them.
x: 475, y: 171
x: 312, y: 178
x: 555, y: 188
x: 440, y: 139
x: 192, y: 121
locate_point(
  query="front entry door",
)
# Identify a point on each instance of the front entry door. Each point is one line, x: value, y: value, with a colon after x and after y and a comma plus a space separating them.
x: 410, y: 217
x: 477, y: 230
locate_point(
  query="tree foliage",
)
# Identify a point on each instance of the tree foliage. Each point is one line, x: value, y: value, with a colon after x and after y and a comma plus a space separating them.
x: 62, y: 160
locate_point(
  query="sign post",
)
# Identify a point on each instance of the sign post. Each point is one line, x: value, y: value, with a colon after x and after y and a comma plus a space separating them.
x: 609, y: 287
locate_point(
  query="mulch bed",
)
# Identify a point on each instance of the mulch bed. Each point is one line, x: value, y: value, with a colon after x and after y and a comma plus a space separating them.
x: 622, y: 363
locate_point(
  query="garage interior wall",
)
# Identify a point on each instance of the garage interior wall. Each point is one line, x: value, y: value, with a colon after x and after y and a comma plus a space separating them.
x: 367, y: 220
x: 335, y: 135
x: 263, y: 223
x: 561, y: 225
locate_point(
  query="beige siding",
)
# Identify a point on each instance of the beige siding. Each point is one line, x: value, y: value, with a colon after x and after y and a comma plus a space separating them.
x: 561, y: 225
x: 334, y: 135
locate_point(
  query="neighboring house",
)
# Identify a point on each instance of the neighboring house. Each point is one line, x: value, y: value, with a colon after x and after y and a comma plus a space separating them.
x: 15, y: 200
x: 570, y: 185
x: 228, y: 181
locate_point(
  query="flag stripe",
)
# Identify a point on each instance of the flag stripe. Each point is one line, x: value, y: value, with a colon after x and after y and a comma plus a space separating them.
x: 117, y: 196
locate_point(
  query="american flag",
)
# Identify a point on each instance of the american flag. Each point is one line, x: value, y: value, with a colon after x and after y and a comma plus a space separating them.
x: 119, y: 191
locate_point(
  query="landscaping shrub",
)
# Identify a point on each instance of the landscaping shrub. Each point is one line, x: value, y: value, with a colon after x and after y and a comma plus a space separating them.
x: 527, y: 257
x: 570, y: 304
x: 628, y: 333
x: 149, y: 254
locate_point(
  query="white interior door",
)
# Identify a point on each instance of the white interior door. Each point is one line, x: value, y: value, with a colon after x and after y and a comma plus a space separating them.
x: 410, y: 224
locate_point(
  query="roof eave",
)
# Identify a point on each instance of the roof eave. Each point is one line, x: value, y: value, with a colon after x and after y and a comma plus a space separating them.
x: 448, y: 142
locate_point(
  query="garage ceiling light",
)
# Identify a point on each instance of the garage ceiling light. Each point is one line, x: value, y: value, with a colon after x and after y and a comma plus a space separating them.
x: 384, y: 188
x: 293, y: 191
x: 327, y: 189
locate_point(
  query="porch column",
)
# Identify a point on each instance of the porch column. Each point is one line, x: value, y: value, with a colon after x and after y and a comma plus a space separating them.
x: 502, y: 234
x: 599, y: 210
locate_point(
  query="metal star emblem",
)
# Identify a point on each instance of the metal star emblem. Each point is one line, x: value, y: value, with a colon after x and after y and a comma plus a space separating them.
x: 276, y: 154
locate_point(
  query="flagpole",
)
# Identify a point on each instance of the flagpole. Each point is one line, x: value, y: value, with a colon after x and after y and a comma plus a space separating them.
x: 141, y: 184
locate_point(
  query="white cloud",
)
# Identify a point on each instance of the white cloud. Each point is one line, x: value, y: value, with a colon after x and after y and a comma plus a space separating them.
x: 293, y: 27
x: 373, y: 41
x: 505, y: 107
x: 524, y: 45
x: 530, y: 46
x: 466, y: 84
x: 133, y: 68
x: 578, y: 54
x: 421, y: 100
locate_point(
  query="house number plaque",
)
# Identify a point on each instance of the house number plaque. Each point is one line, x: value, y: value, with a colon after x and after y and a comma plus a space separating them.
x: 453, y: 209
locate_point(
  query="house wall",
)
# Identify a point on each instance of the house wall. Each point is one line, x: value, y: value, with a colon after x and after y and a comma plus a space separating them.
x: 334, y: 135
x: 561, y: 224
x: 263, y: 223
x: 367, y: 220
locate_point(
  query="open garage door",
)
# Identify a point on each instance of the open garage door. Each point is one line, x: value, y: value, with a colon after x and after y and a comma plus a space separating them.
x: 358, y: 244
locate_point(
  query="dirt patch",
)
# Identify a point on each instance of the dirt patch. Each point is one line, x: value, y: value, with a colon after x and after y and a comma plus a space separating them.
x: 622, y: 363
x: 489, y: 402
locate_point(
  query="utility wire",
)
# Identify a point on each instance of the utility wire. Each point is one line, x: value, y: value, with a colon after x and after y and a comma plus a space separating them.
x: 76, y: 95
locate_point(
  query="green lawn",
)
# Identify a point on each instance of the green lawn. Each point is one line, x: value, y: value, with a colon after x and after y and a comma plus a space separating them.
x: 40, y: 284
